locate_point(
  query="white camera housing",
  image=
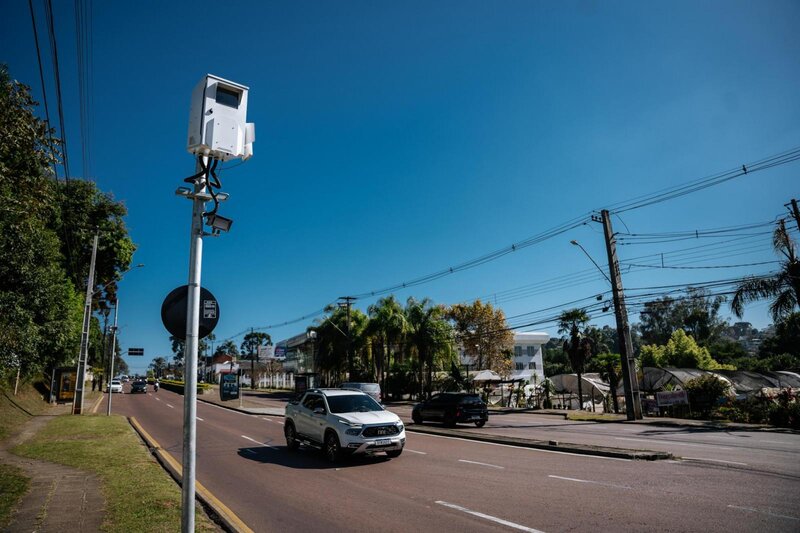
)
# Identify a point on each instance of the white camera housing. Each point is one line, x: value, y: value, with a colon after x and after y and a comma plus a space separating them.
x: 218, y: 125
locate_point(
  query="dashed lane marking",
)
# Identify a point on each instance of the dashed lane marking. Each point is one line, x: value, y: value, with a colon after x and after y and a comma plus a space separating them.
x: 200, y: 419
x: 489, y: 517
x: 589, y: 481
x: 415, y: 451
x: 259, y: 443
x: 482, y: 464
x: 770, y: 513
x: 170, y: 406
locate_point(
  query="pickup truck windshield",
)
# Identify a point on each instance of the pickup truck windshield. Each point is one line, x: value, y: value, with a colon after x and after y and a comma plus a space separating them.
x: 353, y: 403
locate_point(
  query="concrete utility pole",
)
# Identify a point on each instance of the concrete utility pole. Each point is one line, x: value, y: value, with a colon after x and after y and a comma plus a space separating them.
x: 77, y: 402
x: 113, y: 355
x: 190, y: 350
x: 347, y: 302
x: 633, y: 406
x: 252, y: 362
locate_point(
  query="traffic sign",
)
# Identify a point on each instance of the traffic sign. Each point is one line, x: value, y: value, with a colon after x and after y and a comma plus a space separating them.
x: 174, y: 309
x: 135, y: 351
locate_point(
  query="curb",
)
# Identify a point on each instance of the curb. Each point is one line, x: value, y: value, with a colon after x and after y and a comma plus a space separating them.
x: 565, y: 447
x: 242, y: 410
x: 228, y: 518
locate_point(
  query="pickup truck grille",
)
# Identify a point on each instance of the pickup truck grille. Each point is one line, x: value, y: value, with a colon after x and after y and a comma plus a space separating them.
x: 381, y: 431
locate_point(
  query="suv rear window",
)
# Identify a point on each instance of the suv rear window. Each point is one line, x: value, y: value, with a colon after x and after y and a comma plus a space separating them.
x: 471, y: 400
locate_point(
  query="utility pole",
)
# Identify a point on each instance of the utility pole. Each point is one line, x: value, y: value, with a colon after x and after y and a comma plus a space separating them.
x: 633, y: 406
x: 77, y: 402
x: 113, y: 355
x: 252, y: 363
x: 347, y: 302
x: 795, y: 212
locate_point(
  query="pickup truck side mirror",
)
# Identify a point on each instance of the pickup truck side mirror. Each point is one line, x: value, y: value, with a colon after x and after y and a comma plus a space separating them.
x: 319, y: 410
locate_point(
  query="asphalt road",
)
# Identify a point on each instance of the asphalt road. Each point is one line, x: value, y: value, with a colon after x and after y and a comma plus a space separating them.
x: 446, y: 484
x: 766, y: 451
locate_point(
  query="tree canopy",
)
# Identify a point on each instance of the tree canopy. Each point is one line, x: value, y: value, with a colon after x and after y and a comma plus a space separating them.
x: 483, y: 333
x: 680, y: 351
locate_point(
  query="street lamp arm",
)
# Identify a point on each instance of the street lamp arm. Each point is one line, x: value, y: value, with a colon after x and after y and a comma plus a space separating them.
x: 576, y: 243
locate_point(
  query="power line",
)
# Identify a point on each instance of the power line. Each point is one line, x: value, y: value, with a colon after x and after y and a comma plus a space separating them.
x: 54, y: 60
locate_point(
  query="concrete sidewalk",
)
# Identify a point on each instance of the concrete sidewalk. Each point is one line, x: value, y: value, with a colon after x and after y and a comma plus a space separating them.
x: 60, y: 498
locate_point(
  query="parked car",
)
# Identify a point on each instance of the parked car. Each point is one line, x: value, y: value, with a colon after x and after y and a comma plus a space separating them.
x: 343, y: 422
x: 452, y: 408
x: 138, y: 386
x: 114, y: 386
x: 373, y: 389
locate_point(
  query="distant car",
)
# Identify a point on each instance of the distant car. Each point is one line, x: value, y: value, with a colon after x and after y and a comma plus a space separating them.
x: 452, y: 408
x: 114, y: 386
x: 138, y: 386
x: 371, y: 389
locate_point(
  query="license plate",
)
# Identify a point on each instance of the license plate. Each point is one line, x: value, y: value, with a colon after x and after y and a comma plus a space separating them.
x: 383, y: 442
x: 474, y: 417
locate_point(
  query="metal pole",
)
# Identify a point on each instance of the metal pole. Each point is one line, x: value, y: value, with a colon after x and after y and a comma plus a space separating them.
x: 633, y: 407
x: 190, y: 355
x: 77, y: 402
x: 113, y: 356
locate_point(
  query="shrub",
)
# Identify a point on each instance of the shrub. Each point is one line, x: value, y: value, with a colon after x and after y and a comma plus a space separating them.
x: 705, y: 392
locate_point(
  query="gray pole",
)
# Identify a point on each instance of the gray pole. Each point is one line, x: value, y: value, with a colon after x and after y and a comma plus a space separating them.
x: 633, y: 406
x: 190, y: 356
x: 77, y: 403
x: 113, y: 355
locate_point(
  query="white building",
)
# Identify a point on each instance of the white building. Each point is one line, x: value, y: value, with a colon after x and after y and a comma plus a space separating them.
x: 527, y: 355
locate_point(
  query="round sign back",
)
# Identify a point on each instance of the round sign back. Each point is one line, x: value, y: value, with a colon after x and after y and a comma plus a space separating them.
x: 174, y: 308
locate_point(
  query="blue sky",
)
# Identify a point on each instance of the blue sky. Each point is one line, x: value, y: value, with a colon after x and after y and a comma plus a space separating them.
x: 398, y: 139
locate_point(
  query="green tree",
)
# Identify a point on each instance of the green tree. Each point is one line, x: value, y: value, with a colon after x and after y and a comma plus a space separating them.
x: 387, y: 324
x: 577, y: 345
x: 431, y: 336
x: 610, y: 368
x: 158, y: 365
x: 783, y: 288
x: 249, y: 346
x: 483, y: 333
x: 697, y: 314
x: 680, y: 351
x: 40, y: 309
x: 704, y: 392
x: 228, y: 347
x: 332, y: 344
x: 785, y: 340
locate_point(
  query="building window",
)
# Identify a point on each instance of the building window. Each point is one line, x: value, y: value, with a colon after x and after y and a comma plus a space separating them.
x: 517, y: 351
x: 519, y: 366
x: 531, y: 351
x: 532, y: 365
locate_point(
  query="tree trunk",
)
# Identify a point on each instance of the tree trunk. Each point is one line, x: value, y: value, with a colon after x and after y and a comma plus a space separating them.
x: 580, y: 392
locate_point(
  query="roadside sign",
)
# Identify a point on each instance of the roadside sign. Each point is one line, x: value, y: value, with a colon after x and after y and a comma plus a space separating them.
x: 266, y: 352
x: 229, y: 387
x: 135, y: 351
x: 174, y: 308
x: 675, y: 397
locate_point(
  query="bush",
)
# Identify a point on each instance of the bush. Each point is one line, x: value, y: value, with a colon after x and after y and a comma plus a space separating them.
x: 705, y: 392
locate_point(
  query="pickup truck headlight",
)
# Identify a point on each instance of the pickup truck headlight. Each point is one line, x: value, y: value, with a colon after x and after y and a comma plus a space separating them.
x: 399, y: 425
x: 352, y: 429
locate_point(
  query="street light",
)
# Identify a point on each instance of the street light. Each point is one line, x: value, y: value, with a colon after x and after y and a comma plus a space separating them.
x: 576, y: 243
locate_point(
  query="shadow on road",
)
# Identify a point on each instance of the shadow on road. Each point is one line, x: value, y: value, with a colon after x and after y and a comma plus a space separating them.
x: 305, y: 458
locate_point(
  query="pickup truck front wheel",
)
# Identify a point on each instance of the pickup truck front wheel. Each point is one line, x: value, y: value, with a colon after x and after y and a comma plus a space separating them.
x: 291, y: 436
x: 332, y: 449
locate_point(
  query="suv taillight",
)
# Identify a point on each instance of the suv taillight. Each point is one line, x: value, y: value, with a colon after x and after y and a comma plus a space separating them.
x: 458, y: 412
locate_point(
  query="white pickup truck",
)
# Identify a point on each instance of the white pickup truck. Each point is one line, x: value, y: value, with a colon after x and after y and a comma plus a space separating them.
x: 343, y: 422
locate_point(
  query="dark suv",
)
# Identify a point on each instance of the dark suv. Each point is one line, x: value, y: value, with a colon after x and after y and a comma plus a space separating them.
x: 452, y: 408
x: 139, y: 386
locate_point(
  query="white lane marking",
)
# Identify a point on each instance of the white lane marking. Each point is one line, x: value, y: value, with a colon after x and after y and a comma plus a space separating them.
x: 158, y: 399
x: 714, y: 460
x: 259, y: 443
x: 200, y: 419
x: 482, y: 464
x: 171, y: 407
x: 763, y: 512
x: 271, y: 420
x: 589, y: 481
x: 528, y: 449
x: 653, y: 441
x: 415, y: 451
x: 488, y: 517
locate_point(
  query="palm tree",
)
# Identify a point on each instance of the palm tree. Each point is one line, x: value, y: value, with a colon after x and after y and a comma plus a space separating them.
x: 430, y: 333
x: 577, y: 345
x: 158, y: 365
x: 783, y: 288
x: 611, y: 370
x: 387, y: 323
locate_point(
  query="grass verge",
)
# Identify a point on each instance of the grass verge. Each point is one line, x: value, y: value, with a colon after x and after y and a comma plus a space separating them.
x: 595, y: 417
x: 140, y: 495
x: 13, y: 484
x: 16, y: 410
